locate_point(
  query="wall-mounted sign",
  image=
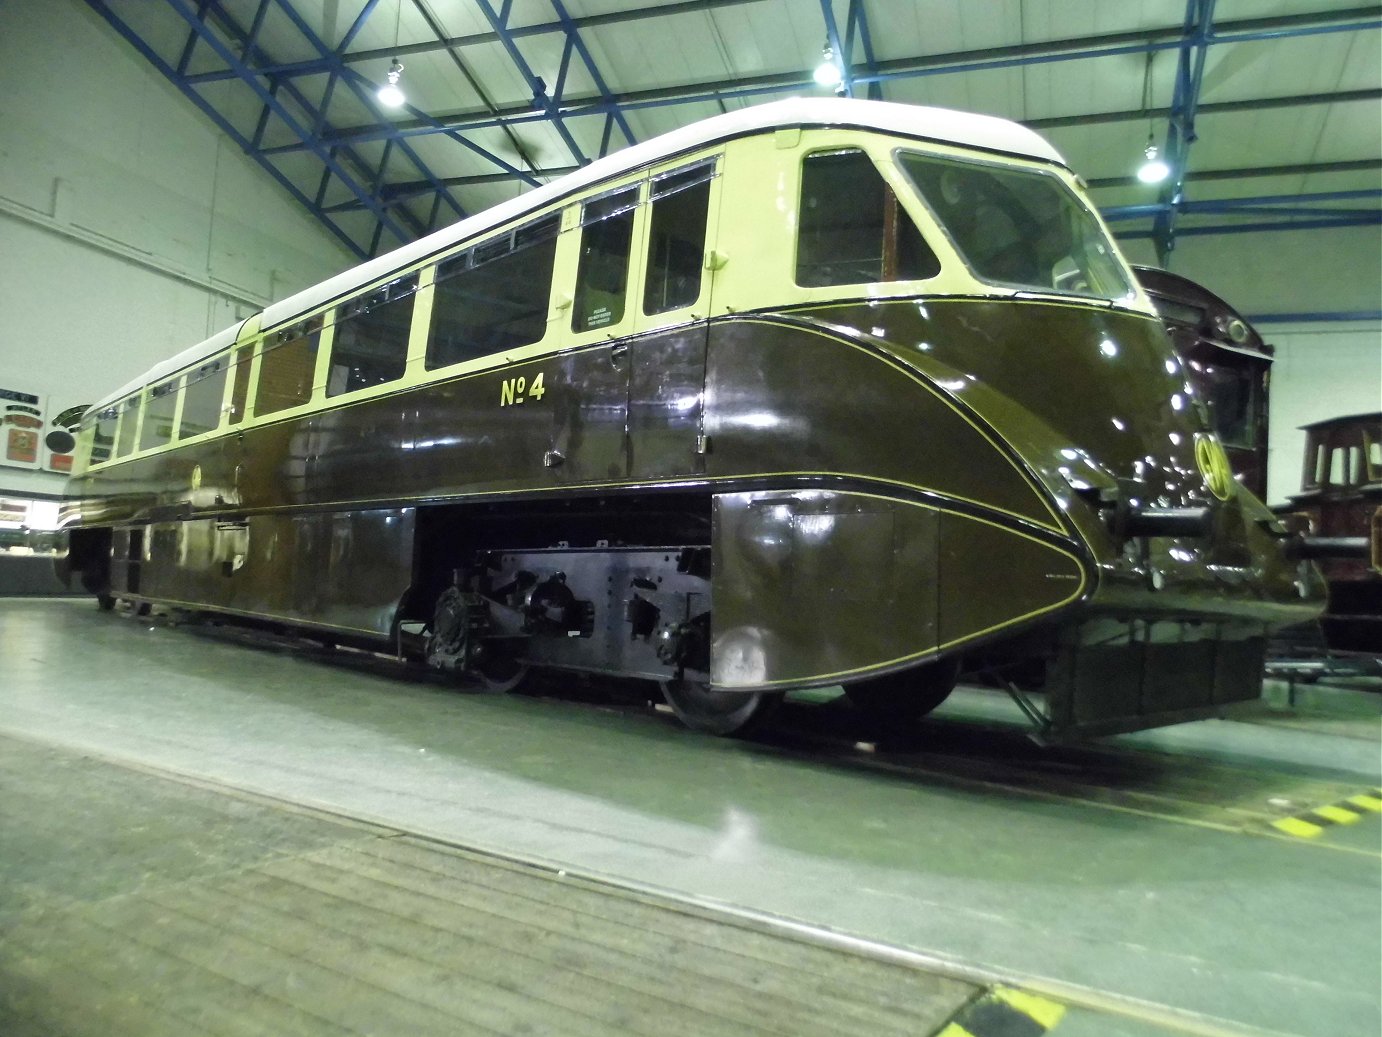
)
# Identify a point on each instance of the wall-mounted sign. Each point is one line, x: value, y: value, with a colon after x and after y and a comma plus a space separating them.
x: 21, y: 427
x: 60, y: 434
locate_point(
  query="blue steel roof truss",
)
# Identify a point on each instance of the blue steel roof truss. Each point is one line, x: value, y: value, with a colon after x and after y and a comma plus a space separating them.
x: 395, y: 190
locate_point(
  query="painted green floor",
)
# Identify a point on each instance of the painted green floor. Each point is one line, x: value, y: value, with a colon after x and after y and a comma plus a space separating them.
x: 1143, y: 875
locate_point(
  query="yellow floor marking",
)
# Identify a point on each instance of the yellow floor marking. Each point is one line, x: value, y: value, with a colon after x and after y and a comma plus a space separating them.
x: 1295, y: 826
x: 1046, y: 1013
x: 1338, y: 815
x: 1004, y: 1010
x: 1309, y: 824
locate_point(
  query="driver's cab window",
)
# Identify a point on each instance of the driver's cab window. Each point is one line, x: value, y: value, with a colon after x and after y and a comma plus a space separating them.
x: 851, y: 229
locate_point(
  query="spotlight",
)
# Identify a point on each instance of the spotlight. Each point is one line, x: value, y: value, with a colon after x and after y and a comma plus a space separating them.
x: 390, y: 93
x: 1153, y: 170
x: 827, y: 72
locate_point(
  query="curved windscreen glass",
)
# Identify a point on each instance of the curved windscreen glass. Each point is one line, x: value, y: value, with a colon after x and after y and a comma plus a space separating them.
x: 1019, y: 227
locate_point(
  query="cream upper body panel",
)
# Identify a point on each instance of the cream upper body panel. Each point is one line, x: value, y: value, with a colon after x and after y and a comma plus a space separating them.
x: 754, y: 205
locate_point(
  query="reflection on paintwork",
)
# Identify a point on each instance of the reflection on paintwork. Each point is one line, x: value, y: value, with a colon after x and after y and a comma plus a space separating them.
x: 740, y: 658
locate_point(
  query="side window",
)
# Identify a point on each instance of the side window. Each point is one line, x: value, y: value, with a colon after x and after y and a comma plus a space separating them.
x: 240, y: 390
x: 287, y: 367
x: 851, y: 229
x: 103, y: 438
x: 602, y: 277
x: 676, y: 238
x: 493, y: 296
x: 370, y: 346
x: 1336, y: 475
x: 129, y: 420
x: 158, y: 415
x: 1318, y: 472
x: 201, y: 399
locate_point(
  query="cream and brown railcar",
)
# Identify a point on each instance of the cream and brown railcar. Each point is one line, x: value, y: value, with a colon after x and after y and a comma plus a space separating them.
x: 820, y: 392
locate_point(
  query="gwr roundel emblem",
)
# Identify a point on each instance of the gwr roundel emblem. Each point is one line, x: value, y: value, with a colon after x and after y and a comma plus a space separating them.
x: 1214, y: 466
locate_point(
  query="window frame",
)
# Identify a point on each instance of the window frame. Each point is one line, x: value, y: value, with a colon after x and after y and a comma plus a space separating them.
x: 1021, y: 168
x: 889, y: 243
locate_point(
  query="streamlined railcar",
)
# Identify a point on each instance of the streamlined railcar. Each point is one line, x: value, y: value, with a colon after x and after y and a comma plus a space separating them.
x: 823, y: 392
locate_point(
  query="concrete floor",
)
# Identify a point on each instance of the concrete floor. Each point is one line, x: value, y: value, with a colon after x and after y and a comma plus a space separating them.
x: 1142, y: 876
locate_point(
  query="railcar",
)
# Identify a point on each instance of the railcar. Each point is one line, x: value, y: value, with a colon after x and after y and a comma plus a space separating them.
x: 1226, y: 361
x: 1340, y: 503
x: 823, y: 392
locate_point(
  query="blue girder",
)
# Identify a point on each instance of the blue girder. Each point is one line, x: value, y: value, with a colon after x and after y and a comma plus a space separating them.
x: 389, y: 202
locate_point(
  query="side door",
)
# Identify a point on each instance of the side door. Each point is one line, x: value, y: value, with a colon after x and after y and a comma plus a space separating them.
x: 671, y: 303
x: 587, y: 382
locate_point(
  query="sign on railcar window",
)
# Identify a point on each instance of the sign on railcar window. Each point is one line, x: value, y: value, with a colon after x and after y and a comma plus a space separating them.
x: 602, y: 277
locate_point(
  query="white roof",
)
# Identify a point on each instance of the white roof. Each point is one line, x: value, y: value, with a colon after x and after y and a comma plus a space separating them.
x: 941, y: 124
x: 986, y: 132
x: 206, y: 348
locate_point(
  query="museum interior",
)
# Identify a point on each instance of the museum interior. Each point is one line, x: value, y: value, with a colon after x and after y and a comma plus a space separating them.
x: 699, y: 517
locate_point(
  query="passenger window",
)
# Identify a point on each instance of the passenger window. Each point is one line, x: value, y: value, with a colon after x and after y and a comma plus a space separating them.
x: 129, y: 420
x: 603, y: 274
x: 370, y: 346
x: 158, y: 415
x: 287, y: 367
x: 201, y: 399
x: 494, y: 296
x: 241, y: 388
x: 1336, y: 467
x: 103, y: 439
x: 676, y: 238
x: 851, y: 229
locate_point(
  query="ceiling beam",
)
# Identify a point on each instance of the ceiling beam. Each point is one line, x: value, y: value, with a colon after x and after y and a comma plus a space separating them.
x: 1180, y: 128
x: 1366, y: 165
x: 1082, y: 48
x: 443, y: 42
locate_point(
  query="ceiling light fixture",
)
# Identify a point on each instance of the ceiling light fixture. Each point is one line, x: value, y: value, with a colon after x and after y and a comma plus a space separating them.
x: 1153, y: 170
x: 390, y: 93
x: 827, y: 72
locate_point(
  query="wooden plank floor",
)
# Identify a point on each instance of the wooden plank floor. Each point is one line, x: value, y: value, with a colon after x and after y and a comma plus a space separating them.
x: 133, y: 903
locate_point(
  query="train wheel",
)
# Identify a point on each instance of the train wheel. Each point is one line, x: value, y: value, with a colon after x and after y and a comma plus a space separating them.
x: 718, y: 712
x: 501, y: 674
x: 906, y: 695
